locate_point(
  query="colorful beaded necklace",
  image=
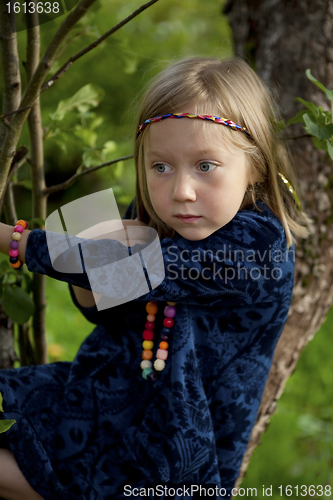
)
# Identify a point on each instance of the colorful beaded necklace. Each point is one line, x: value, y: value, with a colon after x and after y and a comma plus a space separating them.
x: 148, y: 372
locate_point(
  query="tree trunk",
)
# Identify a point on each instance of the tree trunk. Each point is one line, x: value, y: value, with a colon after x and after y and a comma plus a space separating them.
x: 281, y: 39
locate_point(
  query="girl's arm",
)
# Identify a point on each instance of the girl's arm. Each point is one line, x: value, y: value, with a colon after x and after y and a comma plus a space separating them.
x: 84, y: 297
x: 6, y: 232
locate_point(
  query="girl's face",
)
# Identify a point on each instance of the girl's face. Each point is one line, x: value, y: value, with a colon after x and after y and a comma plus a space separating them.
x: 191, y: 170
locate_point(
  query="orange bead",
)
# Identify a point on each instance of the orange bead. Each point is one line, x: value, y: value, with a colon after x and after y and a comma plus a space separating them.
x: 151, y: 308
x: 164, y: 345
x: 151, y: 317
x: 147, y: 354
x: 21, y: 223
x: 16, y: 265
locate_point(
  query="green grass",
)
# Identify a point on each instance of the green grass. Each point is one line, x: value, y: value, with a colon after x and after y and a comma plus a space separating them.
x: 66, y: 327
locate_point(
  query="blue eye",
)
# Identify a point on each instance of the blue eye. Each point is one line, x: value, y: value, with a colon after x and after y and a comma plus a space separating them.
x: 160, y: 167
x: 205, y: 166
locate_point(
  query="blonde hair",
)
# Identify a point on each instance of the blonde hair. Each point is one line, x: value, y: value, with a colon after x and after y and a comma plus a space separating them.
x: 232, y: 89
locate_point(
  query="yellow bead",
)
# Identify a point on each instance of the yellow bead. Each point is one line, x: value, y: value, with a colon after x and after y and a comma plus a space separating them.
x: 159, y: 365
x: 146, y: 364
x: 171, y: 303
x: 147, y: 344
x: 16, y: 236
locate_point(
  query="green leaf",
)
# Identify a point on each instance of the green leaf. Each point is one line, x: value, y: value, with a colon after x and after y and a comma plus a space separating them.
x: 17, y: 304
x: 311, y: 105
x: 297, y: 118
x: 88, y: 136
x: 118, y: 170
x: 5, y: 266
x: 36, y: 220
x: 26, y: 183
x: 88, y: 96
x: 329, y: 93
x: 109, y: 147
x: 330, y: 148
x: 320, y: 131
x: 6, y: 424
x: 314, y: 80
x: 320, y: 143
x: 97, y: 122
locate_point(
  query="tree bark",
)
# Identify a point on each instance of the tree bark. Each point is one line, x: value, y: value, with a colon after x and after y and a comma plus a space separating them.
x: 281, y: 39
x: 11, y: 100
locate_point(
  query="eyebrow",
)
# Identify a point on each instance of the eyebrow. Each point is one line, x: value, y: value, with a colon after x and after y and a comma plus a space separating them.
x: 204, y: 152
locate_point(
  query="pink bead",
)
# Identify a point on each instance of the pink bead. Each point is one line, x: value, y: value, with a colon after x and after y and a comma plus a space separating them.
x: 13, y: 253
x: 149, y: 325
x: 27, y: 225
x: 14, y: 244
x: 161, y: 354
x: 151, y: 317
x: 168, y: 322
x: 170, y: 311
x: 18, y: 229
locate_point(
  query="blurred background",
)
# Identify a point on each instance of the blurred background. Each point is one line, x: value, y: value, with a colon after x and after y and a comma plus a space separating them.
x: 89, y: 117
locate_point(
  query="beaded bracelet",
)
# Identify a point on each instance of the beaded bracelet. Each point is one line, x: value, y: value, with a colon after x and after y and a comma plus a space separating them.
x: 14, y: 261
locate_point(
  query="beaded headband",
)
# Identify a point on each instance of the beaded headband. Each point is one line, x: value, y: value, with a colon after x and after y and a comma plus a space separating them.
x: 216, y: 119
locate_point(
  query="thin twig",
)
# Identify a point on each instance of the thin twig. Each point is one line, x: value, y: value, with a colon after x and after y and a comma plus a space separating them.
x: 297, y: 137
x: 64, y: 185
x: 87, y: 49
x: 33, y: 89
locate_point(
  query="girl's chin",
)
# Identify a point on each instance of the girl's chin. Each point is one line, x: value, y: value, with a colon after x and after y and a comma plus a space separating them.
x: 194, y: 235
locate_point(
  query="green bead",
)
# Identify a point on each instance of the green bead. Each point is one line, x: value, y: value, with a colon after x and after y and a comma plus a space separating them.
x: 146, y: 371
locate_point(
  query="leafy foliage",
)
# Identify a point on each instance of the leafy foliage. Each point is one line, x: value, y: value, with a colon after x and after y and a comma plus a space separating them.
x: 5, y: 424
x: 317, y: 122
x: 15, y: 288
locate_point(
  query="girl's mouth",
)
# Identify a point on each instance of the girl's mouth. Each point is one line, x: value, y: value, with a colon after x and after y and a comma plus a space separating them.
x: 188, y: 218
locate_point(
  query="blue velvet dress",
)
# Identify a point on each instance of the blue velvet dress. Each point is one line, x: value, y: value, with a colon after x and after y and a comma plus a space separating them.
x: 94, y: 429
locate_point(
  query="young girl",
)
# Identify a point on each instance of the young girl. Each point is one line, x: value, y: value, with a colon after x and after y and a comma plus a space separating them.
x: 217, y: 185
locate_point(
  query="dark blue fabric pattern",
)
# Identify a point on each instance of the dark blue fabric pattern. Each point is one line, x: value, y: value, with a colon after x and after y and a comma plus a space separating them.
x: 86, y: 429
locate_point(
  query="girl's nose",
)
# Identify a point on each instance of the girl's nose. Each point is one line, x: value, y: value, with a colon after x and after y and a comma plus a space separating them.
x: 183, y: 188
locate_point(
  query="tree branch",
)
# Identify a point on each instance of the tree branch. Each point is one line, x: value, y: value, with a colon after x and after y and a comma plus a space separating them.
x: 38, y: 183
x: 64, y: 185
x: 87, y: 49
x: 33, y: 88
x: 297, y: 137
x: 11, y: 74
